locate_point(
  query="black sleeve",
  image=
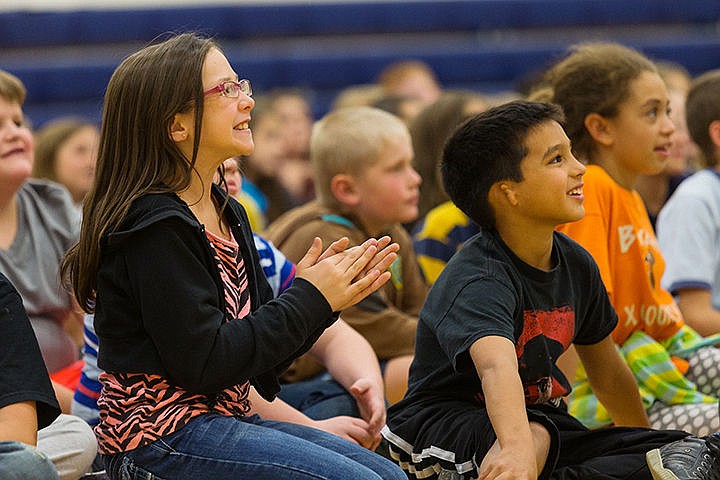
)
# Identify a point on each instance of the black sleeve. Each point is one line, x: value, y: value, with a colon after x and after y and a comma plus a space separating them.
x: 23, y: 376
x: 484, y: 306
x: 199, y: 349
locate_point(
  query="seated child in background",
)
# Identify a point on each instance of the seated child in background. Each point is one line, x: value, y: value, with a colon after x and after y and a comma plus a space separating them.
x: 366, y: 186
x: 429, y: 132
x: 38, y: 223
x: 618, y: 121
x: 410, y: 78
x: 683, y: 154
x: 358, y: 95
x: 441, y: 227
x: 404, y: 107
x: 234, y: 181
x: 689, y: 225
x: 262, y: 169
x: 66, y: 152
x: 485, y: 394
x: 293, y: 106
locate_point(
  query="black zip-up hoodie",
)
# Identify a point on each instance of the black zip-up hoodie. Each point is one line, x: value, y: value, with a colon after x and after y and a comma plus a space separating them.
x: 160, y: 305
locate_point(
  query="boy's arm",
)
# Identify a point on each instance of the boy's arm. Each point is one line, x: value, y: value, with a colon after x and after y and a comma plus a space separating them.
x: 613, y: 383
x: 568, y: 363
x: 698, y: 312
x: 18, y: 422
x: 351, y: 361
x: 496, y: 363
x: 687, y: 231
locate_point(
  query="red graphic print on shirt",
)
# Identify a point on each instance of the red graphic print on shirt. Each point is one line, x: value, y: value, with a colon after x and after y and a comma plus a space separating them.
x: 545, y: 336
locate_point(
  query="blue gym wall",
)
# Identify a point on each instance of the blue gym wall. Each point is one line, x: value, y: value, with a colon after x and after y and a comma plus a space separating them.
x: 66, y: 57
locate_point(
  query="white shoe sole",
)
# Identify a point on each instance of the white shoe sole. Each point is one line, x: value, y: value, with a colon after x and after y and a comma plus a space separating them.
x: 655, y: 464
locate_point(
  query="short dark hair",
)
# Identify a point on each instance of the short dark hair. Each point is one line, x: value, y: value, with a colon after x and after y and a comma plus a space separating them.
x: 488, y: 148
x: 702, y: 107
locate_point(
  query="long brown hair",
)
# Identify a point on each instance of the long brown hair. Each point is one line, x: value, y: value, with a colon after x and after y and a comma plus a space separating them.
x: 136, y: 154
x: 429, y: 130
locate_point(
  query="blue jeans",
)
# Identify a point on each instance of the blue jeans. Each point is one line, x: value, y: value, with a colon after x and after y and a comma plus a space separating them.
x: 22, y: 462
x: 213, y: 447
x: 320, y: 397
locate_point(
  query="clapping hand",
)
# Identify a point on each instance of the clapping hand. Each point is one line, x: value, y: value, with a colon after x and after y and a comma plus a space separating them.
x: 347, y: 275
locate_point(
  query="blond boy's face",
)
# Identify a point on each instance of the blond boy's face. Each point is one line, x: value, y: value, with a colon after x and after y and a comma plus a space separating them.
x: 551, y: 190
x: 16, y: 144
x: 388, y: 190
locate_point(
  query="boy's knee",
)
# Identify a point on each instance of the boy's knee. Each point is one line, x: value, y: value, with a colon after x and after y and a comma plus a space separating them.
x: 23, y: 462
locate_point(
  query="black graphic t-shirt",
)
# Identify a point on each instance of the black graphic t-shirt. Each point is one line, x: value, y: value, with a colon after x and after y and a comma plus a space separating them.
x: 485, y: 290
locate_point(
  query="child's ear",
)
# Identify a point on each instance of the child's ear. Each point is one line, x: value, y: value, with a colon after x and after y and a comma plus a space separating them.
x: 343, y: 189
x: 599, y: 129
x: 178, y: 130
x: 714, y: 133
x: 503, y: 192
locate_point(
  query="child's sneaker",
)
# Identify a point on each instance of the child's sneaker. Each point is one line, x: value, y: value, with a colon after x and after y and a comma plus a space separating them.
x: 687, y: 459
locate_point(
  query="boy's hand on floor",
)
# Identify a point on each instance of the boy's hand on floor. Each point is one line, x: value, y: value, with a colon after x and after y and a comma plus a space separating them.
x: 509, y: 464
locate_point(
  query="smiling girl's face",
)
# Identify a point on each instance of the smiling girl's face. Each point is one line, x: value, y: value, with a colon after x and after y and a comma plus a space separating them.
x: 640, y: 134
x: 225, y: 120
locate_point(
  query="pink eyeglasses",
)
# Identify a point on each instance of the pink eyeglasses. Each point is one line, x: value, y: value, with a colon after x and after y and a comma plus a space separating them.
x: 232, y: 89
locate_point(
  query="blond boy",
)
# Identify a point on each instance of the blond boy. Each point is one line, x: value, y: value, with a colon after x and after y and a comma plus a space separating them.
x: 366, y: 186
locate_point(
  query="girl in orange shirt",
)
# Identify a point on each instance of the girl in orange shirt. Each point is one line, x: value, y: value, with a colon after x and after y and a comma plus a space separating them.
x: 617, y: 110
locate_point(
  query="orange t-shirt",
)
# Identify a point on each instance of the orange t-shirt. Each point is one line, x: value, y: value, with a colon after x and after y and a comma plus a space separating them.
x: 617, y: 232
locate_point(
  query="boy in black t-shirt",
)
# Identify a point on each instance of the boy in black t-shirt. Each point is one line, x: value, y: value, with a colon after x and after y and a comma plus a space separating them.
x: 485, y: 394
x: 27, y: 400
x: 36, y: 440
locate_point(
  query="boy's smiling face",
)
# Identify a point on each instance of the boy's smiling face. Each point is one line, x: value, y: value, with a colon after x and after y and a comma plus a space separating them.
x: 388, y: 190
x: 551, y: 190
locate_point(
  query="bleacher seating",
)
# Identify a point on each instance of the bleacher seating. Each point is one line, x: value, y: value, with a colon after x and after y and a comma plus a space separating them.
x: 66, y: 58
